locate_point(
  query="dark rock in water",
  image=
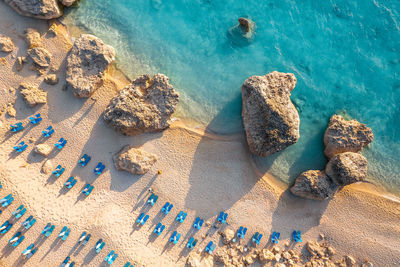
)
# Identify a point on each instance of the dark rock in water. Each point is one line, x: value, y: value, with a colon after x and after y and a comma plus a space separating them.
x: 146, y: 105
x: 347, y: 168
x: 315, y: 185
x: 245, y: 23
x: 40, y: 9
x: 269, y: 117
x: 243, y: 33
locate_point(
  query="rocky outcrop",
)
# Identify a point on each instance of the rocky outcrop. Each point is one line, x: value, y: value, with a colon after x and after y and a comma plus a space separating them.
x: 270, y: 119
x: 43, y: 149
x: 133, y: 160
x: 32, y: 95
x: 144, y: 106
x: 346, y: 136
x: 347, y: 168
x: 86, y: 64
x: 315, y: 185
x: 33, y: 38
x: 40, y: 56
x: 67, y: 2
x: 6, y: 44
x: 40, y: 9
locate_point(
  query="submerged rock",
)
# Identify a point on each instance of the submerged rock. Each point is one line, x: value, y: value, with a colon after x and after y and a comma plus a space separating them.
x: 6, y: 44
x: 346, y: 136
x: 270, y: 119
x: 43, y: 149
x: 347, y: 168
x: 33, y: 38
x: 243, y: 33
x: 133, y: 160
x: 146, y: 105
x: 40, y: 56
x: 40, y: 9
x: 245, y: 24
x: 32, y: 95
x: 314, y: 184
x: 86, y: 64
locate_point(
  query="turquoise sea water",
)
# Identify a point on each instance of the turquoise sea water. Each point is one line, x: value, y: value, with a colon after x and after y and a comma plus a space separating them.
x: 345, y: 55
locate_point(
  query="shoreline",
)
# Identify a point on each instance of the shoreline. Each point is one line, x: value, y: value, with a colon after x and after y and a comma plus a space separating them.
x: 189, y: 173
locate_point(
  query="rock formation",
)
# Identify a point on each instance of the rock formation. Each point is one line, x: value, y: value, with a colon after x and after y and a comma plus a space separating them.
x: 270, y: 119
x: 133, y: 160
x: 146, y: 105
x: 347, y: 168
x: 346, y: 136
x: 6, y: 44
x: 40, y: 56
x: 40, y: 9
x: 87, y: 63
x: 32, y: 95
x: 43, y: 149
x: 33, y: 38
x: 315, y: 185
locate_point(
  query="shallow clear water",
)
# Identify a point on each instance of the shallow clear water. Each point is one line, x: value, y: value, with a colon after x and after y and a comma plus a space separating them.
x: 345, y: 55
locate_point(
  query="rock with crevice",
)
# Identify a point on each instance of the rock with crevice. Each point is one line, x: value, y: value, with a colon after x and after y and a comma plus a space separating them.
x: 87, y: 63
x: 40, y: 56
x: 346, y: 136
x: 314, y: 184
x: 40, y: 9
x: 6, y: 44
x: 33, y: 95
x: 133, y: 160
x: 347, y: 168
x: 33, y: 38
x: 146, y: 105
x: 270, y: 119
x: 43, y: 149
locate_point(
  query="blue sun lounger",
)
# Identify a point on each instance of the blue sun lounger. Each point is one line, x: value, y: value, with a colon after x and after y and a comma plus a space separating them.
x: 99, y: 245
x: 111, y: 257
x: 18, y: 213
x: 58, y: 171
x: 19, y: 241
x: 191, y: 243
x: 142, y: 219
x: 175, y: 237
x: 70, y: 182
x: 222, y: 217
x: 20, y: 147
x: 88, y: 189
x: 296, y: 235
x: 256, y: 238
x: 167, y: 208
x: 61, y: 143
x: 198, y: 223
x: 64, y: 233
x: 83, y: 236
x: 210, y: 247
x: 159, y: 229
x: 99, y: 168
x: 35, y: 119
x: 152, y: 199
x: 48, y: 131
x: 66, y: 260
x: 28, y: 249
x: 5, y: 227
x: 128, y: 264
x: 275, y: 237
x: 48, y: 229
x: 5, y: 199
x: 241, y: 232
x: 181, y: 216
x: 16, y: 127
x: 84, y: 160
x: 1, y: 186
x: 33, y: 251
x: 7, y: 202
x: 28, y: 223
x: 16, y: 239
x: 86, y: 240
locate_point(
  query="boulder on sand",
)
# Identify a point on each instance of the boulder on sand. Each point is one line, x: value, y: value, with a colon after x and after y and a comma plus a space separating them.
x: 347, y: 168
x: 40, y: 9
x: 270, y: 119
x: 314, y: 184
x: 6, y: 44
x: 33, y: 38
x: 133, y: 160
x: 43, y: 149
x: 32, y: 95
x: 86, y: 64
x: 346, y: 136
x: 146, y: 105
x: 40, y: 56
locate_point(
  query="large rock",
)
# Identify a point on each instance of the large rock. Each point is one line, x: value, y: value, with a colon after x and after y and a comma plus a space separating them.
x: 270, y: 119
x: 87, y: 63
x: 144, y: 106
x: 347, y: 168
x: 32, y: 95
x: 67, y: 2
x: 315, y: 185
x: 40, y: 56
x: 43, y: 149
x: 6, y: 44
x: 133, y: 160
x: 41, y: 9
x: 346, y: 136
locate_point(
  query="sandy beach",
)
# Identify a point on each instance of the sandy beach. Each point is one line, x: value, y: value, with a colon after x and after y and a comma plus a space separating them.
x: 201, y: 173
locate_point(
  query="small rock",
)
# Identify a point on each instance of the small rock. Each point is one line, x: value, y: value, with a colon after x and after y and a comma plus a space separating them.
x: 315, y: 185
x: 40, y: 56
x: 277, y: 257
x: 67, y: 2
x: 245, y: 23
x: 367, y: 264
x: 51, y: 79
x: 347, y: 168
x: 43, y: 149
x: 349, y: 260
x: 47, y: 167
x: 20, y: 63
x: 286, y: 255
x: 31, y: 140
x: 11, y: 111
x: 6, y: 44
x: 11, y: 90
x: 208, y: 224
x: 321, y: 236
x: 330, y: 251
x: 159, y: 172
x: 276, y: 250
x: 315, y: 249
x: 32, y: 95
x: 135, y: 161
x: 286, y: 244
x: 33, y: 38
x: 228, y: 234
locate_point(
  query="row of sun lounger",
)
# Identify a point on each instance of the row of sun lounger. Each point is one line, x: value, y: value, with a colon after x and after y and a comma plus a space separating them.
x: 67, y: 263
